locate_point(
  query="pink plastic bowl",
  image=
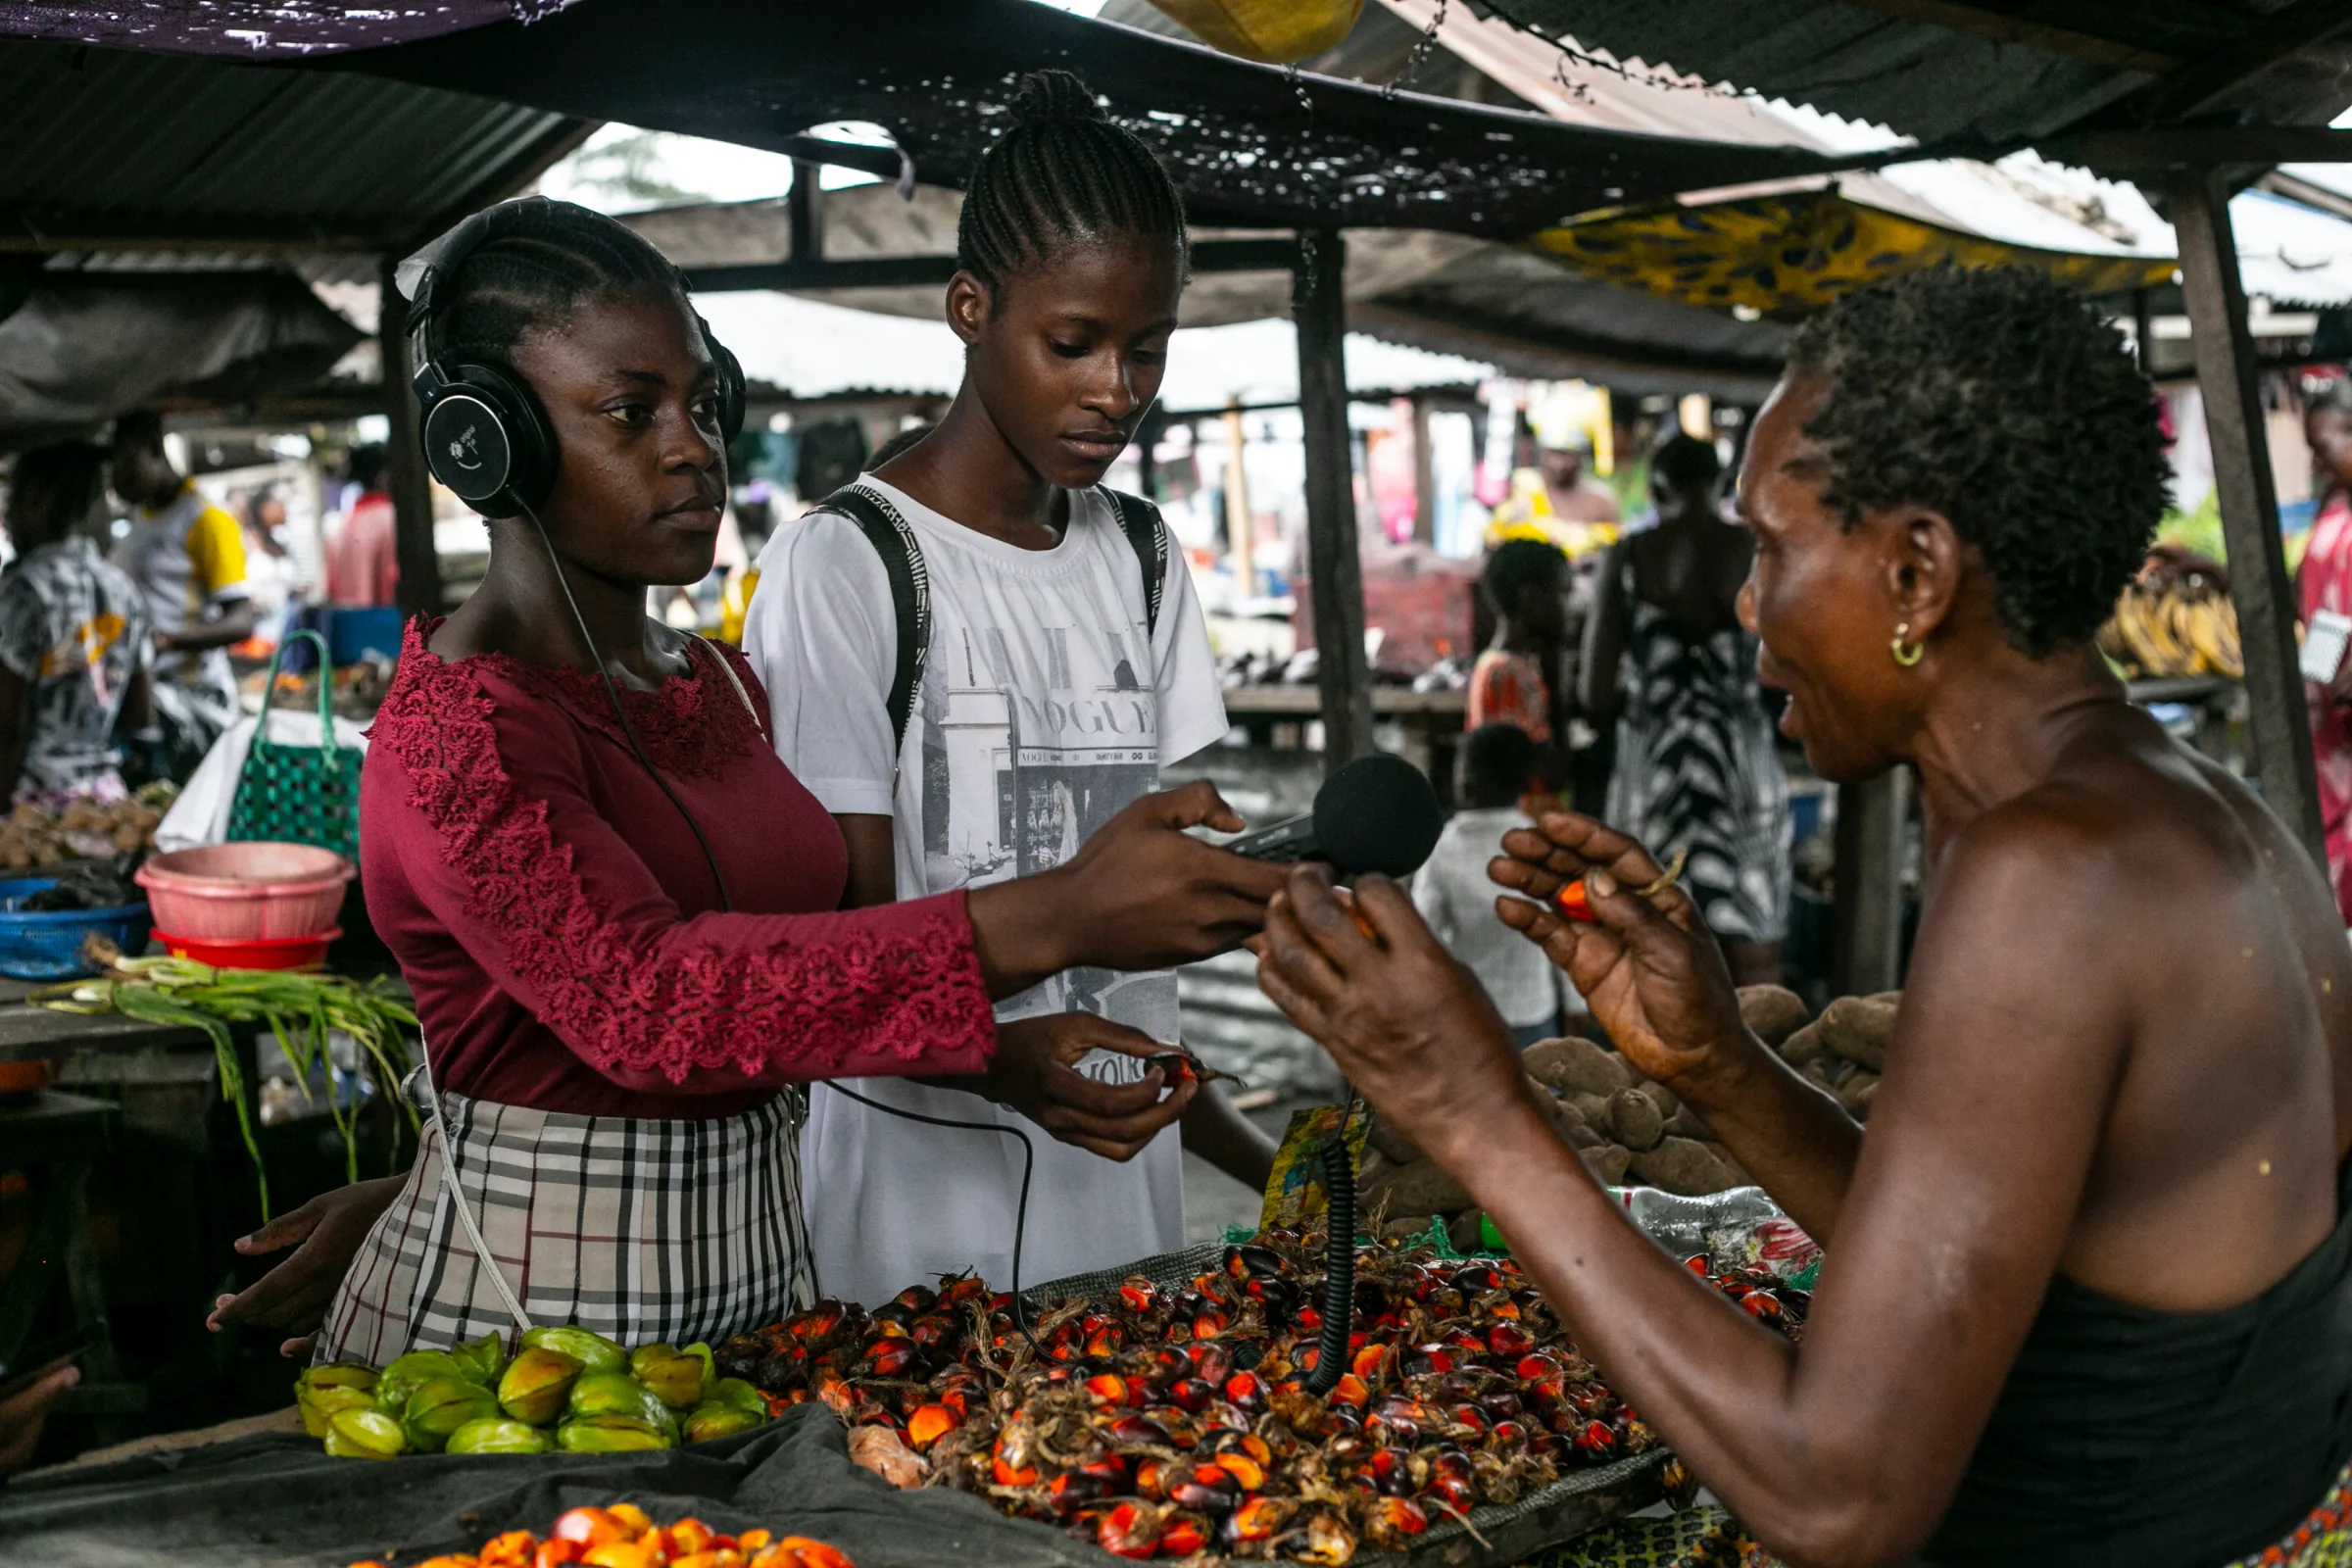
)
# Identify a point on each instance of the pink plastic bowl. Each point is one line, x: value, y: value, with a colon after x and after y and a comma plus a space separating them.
x: 246, y: 892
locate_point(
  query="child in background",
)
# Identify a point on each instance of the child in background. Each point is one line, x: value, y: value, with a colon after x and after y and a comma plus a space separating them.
x: 1526, y: 585
x: 1499, y: 765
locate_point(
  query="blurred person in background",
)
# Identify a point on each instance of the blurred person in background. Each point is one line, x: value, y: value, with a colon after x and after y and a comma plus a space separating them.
x: 1455, y: 896
x: 74, y: 652
x: 1665, y: 656
x: 362, y: 558
x: 2323, y: 581
x: 187, y: 558
x: 1526, y: 585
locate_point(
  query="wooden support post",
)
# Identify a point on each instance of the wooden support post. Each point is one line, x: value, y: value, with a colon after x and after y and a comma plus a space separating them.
x: 1319, y: 308
x: 411, y: 485
x: 1425, y: 479
x: 1240, y: 523
x: 2259, y: 584
x: 1867, y: 942
x: 2143, y: 331
x: 805, y: 210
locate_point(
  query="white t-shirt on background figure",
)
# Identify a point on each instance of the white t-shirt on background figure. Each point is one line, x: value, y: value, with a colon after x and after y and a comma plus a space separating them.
x: 1045, y: 709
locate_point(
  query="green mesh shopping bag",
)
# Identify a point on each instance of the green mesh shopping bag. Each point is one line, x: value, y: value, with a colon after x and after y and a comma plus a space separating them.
x: 300, y: 794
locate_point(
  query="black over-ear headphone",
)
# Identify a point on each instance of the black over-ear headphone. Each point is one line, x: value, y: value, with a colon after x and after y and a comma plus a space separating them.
x: 485, y: 434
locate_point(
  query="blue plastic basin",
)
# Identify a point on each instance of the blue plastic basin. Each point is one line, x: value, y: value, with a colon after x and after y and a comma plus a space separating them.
x: 47, y: 944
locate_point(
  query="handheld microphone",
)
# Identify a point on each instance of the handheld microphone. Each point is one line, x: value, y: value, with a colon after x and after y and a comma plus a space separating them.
x: 1378, y: 814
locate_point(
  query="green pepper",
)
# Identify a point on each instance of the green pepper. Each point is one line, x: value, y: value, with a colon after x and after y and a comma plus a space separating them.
x: 440, y: 1407
x: 710, y: 1421
x: 536, y: 1383
x: 498, y: 1435
x: 592, y: 1351
x: 364, y: 1435
x: 610, y: 1434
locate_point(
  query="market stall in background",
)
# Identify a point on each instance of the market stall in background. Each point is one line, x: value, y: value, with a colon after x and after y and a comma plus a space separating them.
x: 1401, y: 299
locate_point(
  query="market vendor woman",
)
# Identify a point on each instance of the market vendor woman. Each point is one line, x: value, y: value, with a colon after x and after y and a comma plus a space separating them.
x: 2086, y: 1299
x: 616, y: 906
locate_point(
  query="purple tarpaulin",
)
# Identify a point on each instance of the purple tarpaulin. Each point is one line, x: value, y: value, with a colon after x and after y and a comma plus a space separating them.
x: 263, y: 28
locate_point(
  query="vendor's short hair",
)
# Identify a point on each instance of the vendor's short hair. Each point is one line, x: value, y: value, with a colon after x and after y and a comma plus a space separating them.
x: 141, y: 429
x: 1517, y: 565
x: 53, y: 490
x: 369, y: 465
x: 1998, y: 399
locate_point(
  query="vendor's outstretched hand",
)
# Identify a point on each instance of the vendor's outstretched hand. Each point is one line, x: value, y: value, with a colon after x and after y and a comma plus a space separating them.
x: 1646, y: 964
x: 325, y: 1234
x: 1035, y: 1072
x: 1409, y: 1026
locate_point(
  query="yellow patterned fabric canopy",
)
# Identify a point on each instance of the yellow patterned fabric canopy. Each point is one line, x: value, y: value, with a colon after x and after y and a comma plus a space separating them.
x: 1790, y: 255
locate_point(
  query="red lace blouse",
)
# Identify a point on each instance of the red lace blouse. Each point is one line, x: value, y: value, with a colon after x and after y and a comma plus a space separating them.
x: 561, y: 929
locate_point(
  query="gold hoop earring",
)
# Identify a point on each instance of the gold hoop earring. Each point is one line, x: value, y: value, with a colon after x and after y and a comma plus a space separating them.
x: 1906, y: 657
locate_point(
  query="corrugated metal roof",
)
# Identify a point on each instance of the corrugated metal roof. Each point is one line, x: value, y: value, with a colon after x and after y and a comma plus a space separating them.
x: 1248, y: 145
x: 107, y: 148
x: 2002, y: 74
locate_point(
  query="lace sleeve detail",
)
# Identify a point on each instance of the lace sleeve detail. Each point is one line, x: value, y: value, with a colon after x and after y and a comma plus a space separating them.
x: 776, y: 999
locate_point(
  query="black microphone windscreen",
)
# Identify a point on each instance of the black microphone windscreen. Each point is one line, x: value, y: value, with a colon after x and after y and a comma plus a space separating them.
x: 1378, y: 814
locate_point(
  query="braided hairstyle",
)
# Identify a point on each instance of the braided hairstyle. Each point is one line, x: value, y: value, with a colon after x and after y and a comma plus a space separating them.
x: 53, y: 491
x: 547, y: 260
x: 1061, y: 175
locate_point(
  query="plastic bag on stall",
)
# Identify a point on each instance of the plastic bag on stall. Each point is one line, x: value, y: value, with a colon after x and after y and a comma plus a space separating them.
x: 201, y: 814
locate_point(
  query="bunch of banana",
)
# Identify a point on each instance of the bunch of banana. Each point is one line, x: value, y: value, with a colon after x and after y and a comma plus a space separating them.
x: 2167, y: 629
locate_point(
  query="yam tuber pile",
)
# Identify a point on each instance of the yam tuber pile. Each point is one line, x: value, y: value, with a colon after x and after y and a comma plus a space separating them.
x: 1628, y: 1129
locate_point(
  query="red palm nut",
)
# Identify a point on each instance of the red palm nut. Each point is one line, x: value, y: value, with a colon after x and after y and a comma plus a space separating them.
x: 1469, y: 1415
x: 1505, y: 1434
x: 1258, y: 1519
x: 1763, y: 1306
x: 1407, y: 1418
x: 1131, y: 1530
x: 1509, y: 1340
x: 1426, y: 1360
x: 1697, y: 1263
x: 1108, y: 1468
x: 1152, y: 1480
x: 1207, y: 1488
x: 1367, y: 1362
x: 889, y: 1357
x: 1139, y: 1295
x: 1105, y: 1343
x: 1310, y: 1321
x: 1210, y: 1362
x: 1536, y: 1364
x: 1011, y: 1465
x: 1396, y: 1520
x: 1246, y: 1390
x: 1351, y: 1391
x: 1590, y: 1399
x: 929, y: 1423
x: 1389, y: 1471
x: 1184, y: 1534
x: 1207, y: 1325
x: 916, y: 1299
x: 1192, y: 1394
x: 1596, y: 1441
x: 1072, y: 1490
x: 1246, y: 1473
x: 1108, y: 1387
x: 1137, y: 1429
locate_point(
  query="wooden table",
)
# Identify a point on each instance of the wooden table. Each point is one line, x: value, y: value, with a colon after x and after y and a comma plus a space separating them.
x: 1277, y: 715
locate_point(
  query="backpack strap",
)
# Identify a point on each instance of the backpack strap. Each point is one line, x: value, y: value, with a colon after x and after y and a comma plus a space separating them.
x: 893, y: 539
x: 1140, y: 520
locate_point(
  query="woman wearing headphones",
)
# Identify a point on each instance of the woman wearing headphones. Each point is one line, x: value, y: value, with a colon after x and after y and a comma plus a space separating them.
x: 618, y: 910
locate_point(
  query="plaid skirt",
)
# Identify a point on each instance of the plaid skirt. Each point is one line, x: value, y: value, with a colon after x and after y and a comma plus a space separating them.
x: 674, y: 1231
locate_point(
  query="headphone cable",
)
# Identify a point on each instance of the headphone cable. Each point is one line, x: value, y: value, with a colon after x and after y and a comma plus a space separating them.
x: 726, y: 904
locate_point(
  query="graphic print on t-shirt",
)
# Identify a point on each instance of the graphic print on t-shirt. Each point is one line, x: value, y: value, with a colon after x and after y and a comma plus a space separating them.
x: 1021, y: 766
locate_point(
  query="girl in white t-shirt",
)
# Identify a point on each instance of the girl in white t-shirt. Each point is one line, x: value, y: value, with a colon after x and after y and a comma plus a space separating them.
x: 1053, y: 691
